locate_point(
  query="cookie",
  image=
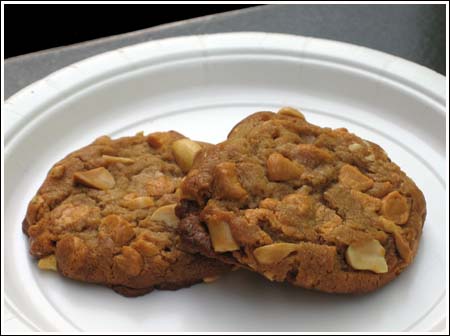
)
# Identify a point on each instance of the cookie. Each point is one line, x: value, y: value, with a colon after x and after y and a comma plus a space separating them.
x: 319, y: 208
x: 105, y: 215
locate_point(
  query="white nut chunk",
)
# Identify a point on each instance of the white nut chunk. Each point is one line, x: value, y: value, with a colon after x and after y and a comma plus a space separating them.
x: 57, y: 171
x: 290, y: 111
x: 274, y: 253
x: 211, y: 279
x: 221, y: 237
x: 139, y: 202
x: 184, y: 151
x: 117, y: 159
x: 99, y: 178
x: 280, y: 168
x: 167, y: 215
x: 48, y: 263
x: 367, y: 255
x: 354, y: 147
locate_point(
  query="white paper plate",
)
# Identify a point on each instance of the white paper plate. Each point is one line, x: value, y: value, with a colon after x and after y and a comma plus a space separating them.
x: 201, y: 86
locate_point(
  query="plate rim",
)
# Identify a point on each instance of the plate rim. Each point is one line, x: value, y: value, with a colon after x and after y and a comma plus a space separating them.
x: 18, y: 110
x: 405, y: 72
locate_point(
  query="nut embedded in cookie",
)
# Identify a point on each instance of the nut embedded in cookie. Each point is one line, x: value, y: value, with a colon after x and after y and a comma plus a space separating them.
x: 280, y: 168
x: 395, y: 207
x: 184, y: 151
x: 368, y: 255
x: 221, y: 236
x: 334, y: 225
x: 105, y: 213
x: 99, y: 178
x: 167, y: 215
x: 48, y: 263
x: 274, y: 253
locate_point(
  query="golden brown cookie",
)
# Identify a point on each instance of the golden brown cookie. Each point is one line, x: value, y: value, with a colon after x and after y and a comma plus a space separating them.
x: 105, y: 215
x: 318, y: 207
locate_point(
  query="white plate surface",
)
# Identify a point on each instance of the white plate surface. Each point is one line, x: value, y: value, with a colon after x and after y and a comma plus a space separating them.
x: 201, y: 86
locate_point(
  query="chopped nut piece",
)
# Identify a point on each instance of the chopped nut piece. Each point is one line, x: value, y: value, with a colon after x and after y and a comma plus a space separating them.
x: 402, y: 246
x: 280, y: 168
x: 48, y: 263
x: 34, y: 208
x: 145, y: 248
x: 269, y: 275
x: 269, y: 203
x: 367, y: 201
x: 380, y: 189
x: 290, y: 111
x: 167, y: 215
x: 303, y: 203
x: 395, y: 207
x: 211, y: 279
x: 118, y: 228
x: 311, y: 155
x: 274, y: 253
x: 115, y: 159
x: 129, y: 261
x: 57, y: 171
x: 103, y: 140
x: 161, y: 185
x: 221, y: 237
x: 351, y: 177
x: 387, y: 225
x: 226, y: 182
x: 370, y: 157
x: 99, y: 178
x: 184, y: 151
x: 367, y: 255
x: 159, y: 139
x: 140, y: 202
x: 178, y: 193
x: 354, y: 147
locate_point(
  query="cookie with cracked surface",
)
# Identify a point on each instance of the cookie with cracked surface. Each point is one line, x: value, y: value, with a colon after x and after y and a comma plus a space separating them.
x: 317, y: 207
x: 105, y: 215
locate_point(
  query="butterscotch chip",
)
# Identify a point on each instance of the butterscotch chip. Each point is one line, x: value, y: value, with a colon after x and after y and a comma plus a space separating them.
x: 99, y: 178
x: 322, y: 208
x: 351, y: 177
x: 311, y: 155
x: 226, y: 182
x: 280, y: 168
x: 395, y: 207
x: 118, y: 229
x: 129, y: 261
x: 402, y: 246
x: 116, y: 225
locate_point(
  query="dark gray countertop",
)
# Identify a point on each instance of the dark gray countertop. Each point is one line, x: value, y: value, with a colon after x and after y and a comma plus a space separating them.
x: 414, y: 32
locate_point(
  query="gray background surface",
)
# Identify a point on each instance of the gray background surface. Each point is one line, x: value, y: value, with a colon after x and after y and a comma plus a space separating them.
x: 414, y: 32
